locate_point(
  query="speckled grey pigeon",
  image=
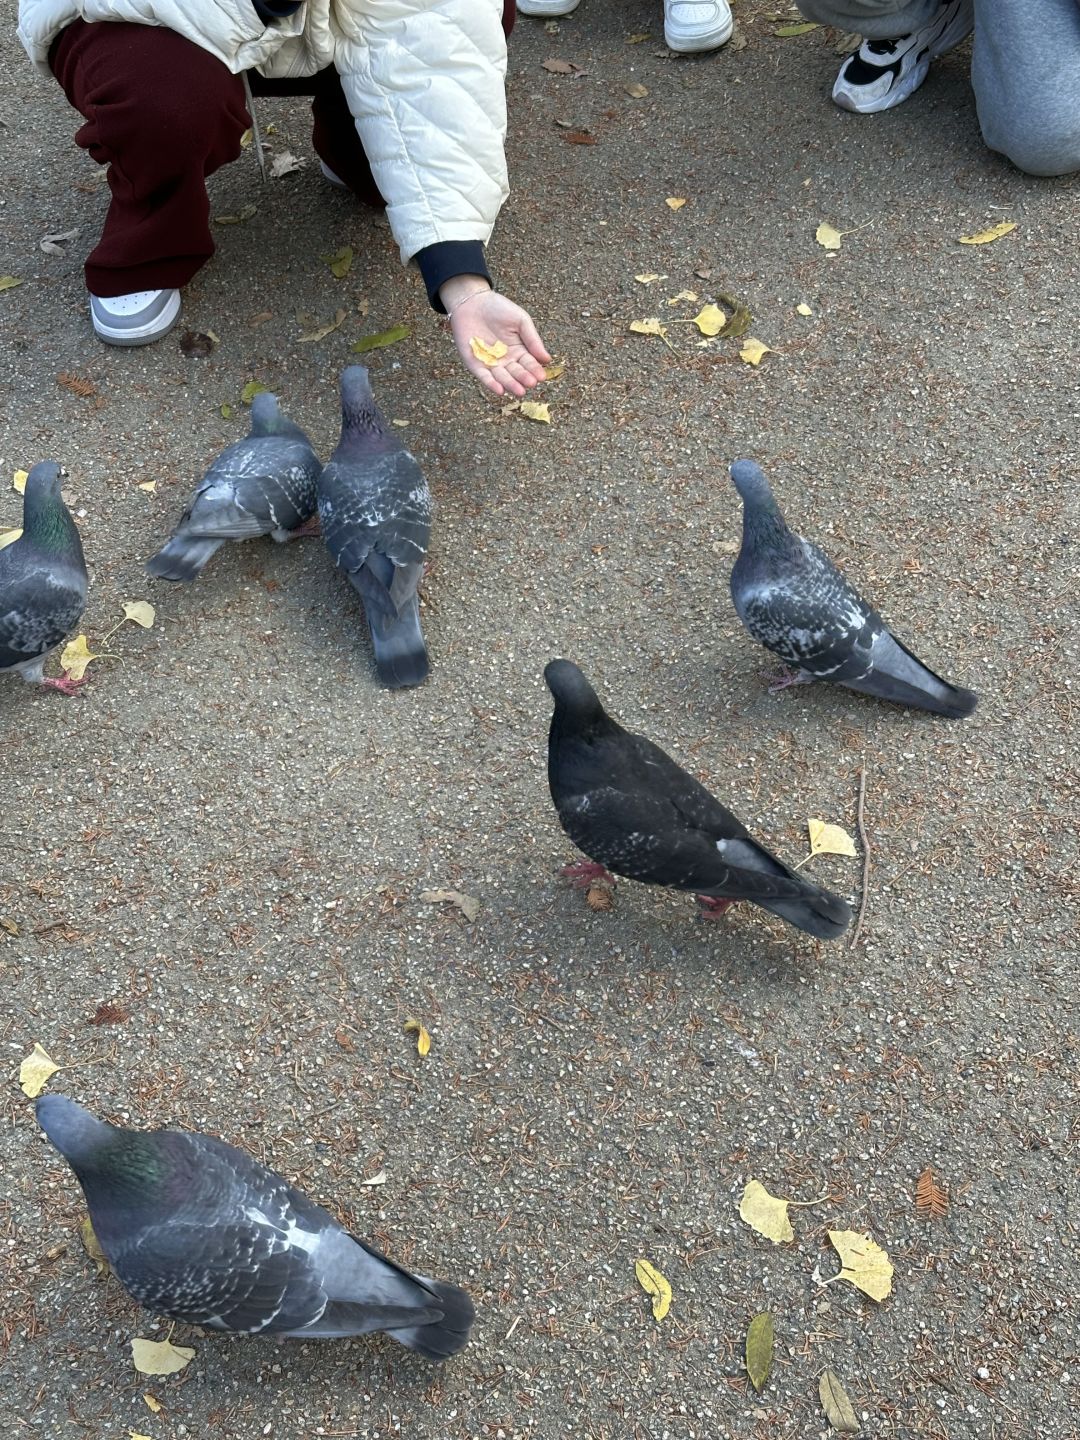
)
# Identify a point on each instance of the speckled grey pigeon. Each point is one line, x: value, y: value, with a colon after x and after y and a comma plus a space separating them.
x: 42, y: 581
x: 791, y: 598
x: 200, y: 1232
x: 264, y: 485
x: 375, y: 509
x: 634, y: 811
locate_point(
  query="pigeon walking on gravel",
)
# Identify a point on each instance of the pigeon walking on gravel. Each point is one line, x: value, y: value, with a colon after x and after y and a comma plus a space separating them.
x: 635, y: 812
x: 791, y: 598
x: 42, y: 581
x: 264, y: 485
x: 375, y: 509
x: 199, y: 1231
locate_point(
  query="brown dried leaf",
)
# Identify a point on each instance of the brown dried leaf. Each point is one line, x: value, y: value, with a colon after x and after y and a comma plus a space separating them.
x: 76, y: 384
x: 636, y: 91
x: 108, y: 1013
x: 599, y: 897
x: 92, y: 1246
x: 931, y: 1199
x: 467, y: 904
x: 562, y: 67
x: 579, y: 137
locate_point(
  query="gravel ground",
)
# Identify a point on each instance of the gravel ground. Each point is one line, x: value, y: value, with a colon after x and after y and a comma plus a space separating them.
x: 227, y: 837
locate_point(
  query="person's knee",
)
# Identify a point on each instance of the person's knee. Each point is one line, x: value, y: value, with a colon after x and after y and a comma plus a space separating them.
x: 1038, y: 144
x: 848, y: 12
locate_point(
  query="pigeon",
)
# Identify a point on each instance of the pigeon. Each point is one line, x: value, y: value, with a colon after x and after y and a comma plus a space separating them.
x: 375, y: 510
x: 635, y: 812
x: 791, y: 598
x: 42, y: 581
x: 198, y: 1231
x: 264, y: 485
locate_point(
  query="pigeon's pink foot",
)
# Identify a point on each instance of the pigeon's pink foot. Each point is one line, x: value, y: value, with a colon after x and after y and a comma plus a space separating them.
x: 713, y: 908
x: 583, y: 873
x: 309, y: 527
x: 66, y: 686
x: 784, y: 678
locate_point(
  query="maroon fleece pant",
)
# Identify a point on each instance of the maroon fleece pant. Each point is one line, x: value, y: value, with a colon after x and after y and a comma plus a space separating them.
x: 163, y: 114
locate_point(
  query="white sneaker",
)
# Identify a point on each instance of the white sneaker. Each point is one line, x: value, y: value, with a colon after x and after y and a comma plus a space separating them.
x: 547, y: 9
x: 692, y: 25
x: 883, y: 73
x: 136, y: 319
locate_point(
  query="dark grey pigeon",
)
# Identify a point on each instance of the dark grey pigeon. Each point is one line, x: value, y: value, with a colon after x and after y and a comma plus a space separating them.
x: 42, y: 581
x: 200, y: 1232
x: 264, y: 485
x: 375, y: 509
x: 791, y: 598
x: 635, y: 812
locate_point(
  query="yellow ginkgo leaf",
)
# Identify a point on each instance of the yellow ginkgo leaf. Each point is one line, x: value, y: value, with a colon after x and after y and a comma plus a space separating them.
x: 152, y: 1403
x: 681, y: 296
x: 803, y: 309
x: 710, y: 320
x: 754, y: 351
x: 141, y: 612
x: 75, y: 657
x: 648, y: 327
x: 92, y: 1245
x: 554, y: 370
x: 488, y: 352
x: 8, y: 537
x: 18, y: 481
x: 160, y: 1357
x: 984, y: 237
x: 828, y: 237
x: 828, y: 839
x: 423, y: 1039
x: 150, y: 486
x: 675, y: 202
x: 648, y: 278
x: 137, y: 1435
x: 35, y: 1071
x: 864, y: 1263
x: 765, y: 1213
x: 654, y: 1284
x: 536, y: 410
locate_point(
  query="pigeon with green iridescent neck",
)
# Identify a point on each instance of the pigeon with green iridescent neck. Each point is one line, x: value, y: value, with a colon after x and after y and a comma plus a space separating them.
x: 793, y: 599
x: 263, y: 485
x: 375, y: 510
x: 42, y: 581
x: 200, y: 1232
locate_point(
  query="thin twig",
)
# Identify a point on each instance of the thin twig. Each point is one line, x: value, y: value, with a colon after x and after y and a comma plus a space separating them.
x: 865, y: 843
x: 256, y: 133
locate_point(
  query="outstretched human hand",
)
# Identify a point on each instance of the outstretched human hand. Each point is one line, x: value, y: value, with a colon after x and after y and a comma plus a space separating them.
x: 488, y: 316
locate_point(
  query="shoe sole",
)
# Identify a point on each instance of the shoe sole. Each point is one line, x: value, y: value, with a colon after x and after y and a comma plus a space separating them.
x: 146, y: 334
x: 698, y: 43
x: 904, y: 88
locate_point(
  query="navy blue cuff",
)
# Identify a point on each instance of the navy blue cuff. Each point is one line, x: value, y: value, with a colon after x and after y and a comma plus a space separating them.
x: 442, y: 261
x: 279, y: 10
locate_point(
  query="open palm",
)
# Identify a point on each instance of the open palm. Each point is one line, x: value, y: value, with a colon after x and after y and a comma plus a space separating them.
x: 491, y: 317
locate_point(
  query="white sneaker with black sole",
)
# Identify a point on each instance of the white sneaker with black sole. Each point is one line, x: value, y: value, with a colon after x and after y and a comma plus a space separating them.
x: 883, y: 73
x: 136, y: 319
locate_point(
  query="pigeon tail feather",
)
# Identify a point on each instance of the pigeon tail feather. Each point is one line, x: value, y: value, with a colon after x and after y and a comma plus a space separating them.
x: 821, y: 913
x: 182, y: 558
x: 440, y: 1339
x: 898, y: 675
x: 400, y: 652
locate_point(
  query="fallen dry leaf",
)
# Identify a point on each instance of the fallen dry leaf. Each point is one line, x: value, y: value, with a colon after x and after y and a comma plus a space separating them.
x: 675, y: 202
x: 562, y: 67
x: 829, y: 839
x: 376, y: 342
x: 6, y: 923
x: 246, y: 138
x: 35, y: 1072
x: 828, y: 237
x: 554, y: 370
x: 109, y: 1013
x: 54, y: 244
x: 75, y: 657
x: 150, y: 486
x: 765, y: 1213
x: 654, y: 1284
x: 681, y: 296
x: 785, y: 32
x: 153, y: 1403
x: 803, y: 309
x: 239, y: 218
x: 8, y: 537
x: 599, y: 897
x: 85, y: 389
x: 639, y: 37
x: 467, y: 904
x: 838, y: 1408
x: 285, y: 163
x: 140, y: 612
x: 379, y: 1179
x: 636, y: 91
x: 488, y: 352
x: 18, y: 481
x: 160, y: 1357
x: 754, y: 351
x: 579, y: 137
x: 864, y: 1263
x: 250, y: 390
x: 340, y: 261
x: 197, y: 343
x: 710, y: 320
x: 648, y: 278
x: 423, y: 1039
x: 846, y: 42
x: 653, y: 326
x: 931, y: 1199
x: 137, y: 1435
x: 536, y: 410
x: 321, y: 331
x: 760, y: 1335
x: 741, y: 319
x: 8, y: 282
x: 984, y: 237
x: 92, y: 1245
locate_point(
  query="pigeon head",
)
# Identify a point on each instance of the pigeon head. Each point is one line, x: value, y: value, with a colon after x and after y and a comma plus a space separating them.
x: 78, y: 1135
x: 572, y: 692
x: 46, y: 522
x: 765, y: 531
x: 44, y: 482
x: 267, y: 419
x: 749, y: 480
x: 361, y: 421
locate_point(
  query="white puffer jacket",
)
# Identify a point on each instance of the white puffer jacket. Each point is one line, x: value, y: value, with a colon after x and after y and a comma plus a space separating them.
x: 424, y: 80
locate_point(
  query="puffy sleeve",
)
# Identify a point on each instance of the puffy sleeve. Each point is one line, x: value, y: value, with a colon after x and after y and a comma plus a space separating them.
x: 425, y: 81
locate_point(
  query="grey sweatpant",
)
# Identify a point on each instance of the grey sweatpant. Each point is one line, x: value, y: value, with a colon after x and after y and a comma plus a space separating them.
x: 1025, y: 69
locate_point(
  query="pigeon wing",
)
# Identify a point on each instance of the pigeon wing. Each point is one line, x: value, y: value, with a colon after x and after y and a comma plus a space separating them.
x: 253, y: 487
x: 39, y: 605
